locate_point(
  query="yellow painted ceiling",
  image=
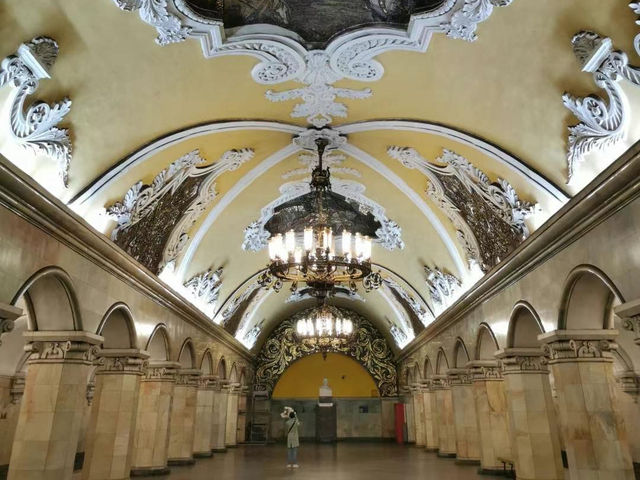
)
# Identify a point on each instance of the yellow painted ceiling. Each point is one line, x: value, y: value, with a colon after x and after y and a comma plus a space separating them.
x: 505, y: 88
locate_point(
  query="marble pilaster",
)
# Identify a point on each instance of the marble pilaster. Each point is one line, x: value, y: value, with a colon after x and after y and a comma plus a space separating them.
x: 418, y: 414
x: 110, y: 434
x: 46, y: 436
x: 231, y: 434
x: 204, y: 417
x: 444, y: 417
x: 151, y: 439
x: 491, y: 411
x: 218, y: 431
x: 535, y: 439
x: 430, y: 423
x: 464, y: 415
x: 183, y: 417
x: 595, y: 437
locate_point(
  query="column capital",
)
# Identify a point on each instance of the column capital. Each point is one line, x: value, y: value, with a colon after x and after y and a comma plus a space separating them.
x: 161, y: 371
x: 439, y: 382
x: 579, y: 345
x: 62, y: 347
x: 459, y: 376
x: 8, y: 314
x: 629, y: 382
x: 231, y: 388
x: 188, y: 377
x: 522, y: 360
x: 207, y: 382
x: 17, y: 387
x: 117, y: 361
x: 485, y: 370
x: 629, y: 312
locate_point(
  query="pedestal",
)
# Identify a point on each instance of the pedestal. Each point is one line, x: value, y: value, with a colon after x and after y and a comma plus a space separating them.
x: 326, y: 424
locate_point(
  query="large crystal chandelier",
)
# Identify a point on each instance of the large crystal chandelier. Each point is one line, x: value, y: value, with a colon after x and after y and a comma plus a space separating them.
x: 309, y: 256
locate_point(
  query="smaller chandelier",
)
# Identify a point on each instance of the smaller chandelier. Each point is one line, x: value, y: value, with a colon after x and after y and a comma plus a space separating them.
x: 325, y: 324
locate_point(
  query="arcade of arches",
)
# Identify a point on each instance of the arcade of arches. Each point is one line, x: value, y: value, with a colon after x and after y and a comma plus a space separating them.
x: 149, y: 149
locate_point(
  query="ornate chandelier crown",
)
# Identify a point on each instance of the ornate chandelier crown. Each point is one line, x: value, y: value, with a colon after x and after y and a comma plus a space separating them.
x: 306, y: 252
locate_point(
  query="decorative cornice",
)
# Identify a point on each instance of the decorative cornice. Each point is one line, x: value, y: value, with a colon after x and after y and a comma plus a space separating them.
x: 188, y: 377
x: 36, y: 130
x: 443, y: 287
x: 602, y: 124
x: 459, y: 377
x: 522, y: 361
x: 204, y: 289
x: 121, y: 362
x: 485, y: 370
x: 579, y: 345
x: 161, y: 372
x: 62, y: 347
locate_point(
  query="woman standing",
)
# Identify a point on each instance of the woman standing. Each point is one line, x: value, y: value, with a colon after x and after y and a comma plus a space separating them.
x: 293, y: 441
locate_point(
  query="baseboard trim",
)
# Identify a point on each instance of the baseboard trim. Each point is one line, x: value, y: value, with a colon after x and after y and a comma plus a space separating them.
x: 149, y: 471
x: 218, y: 450
x: 492, y: 471
x: 208, y: 454
x: 467, y: 461
x: 175, y: 462
x: 446, y: 455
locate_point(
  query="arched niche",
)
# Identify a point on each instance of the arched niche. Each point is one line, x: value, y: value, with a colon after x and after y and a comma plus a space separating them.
x: 524, y: 327
x: 486, y: 343
x: 222, y: 369
x: 187, y: 355
x: 588, y: 300
x: 50, y: 300
x: 460, y: 354
x: 233, y: 374
x: 206, y: 364
x: 158, y: 344
x: 427, y: 369
x: 118, y: 328
x: 243, y: 377
x: 442, y: 364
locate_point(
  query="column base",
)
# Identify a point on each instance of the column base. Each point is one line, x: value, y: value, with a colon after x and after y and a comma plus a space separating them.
x: 467, y: 461
x: 218, y: 450
x: 446, y: 454
x: 208, y: 454
x: 4, y: 471
x: 497, y: 471
x: 149, y: 471
x: 431, y: 450
x: 232, y: 446
x: 636, y: 469
x: 175, y: 462
x: 419, y: 445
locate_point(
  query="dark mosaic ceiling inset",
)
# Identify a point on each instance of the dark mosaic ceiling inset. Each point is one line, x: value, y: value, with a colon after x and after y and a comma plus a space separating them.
x: 146, y: 239
x: 368, y: 347
x: 496, y: 238
x: 316, y: 21
x: 344, y: 214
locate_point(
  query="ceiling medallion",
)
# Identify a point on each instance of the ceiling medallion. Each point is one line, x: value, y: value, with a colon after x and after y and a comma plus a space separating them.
x: 36, y: 129
x: 308, y: 256
x: 272, y: 32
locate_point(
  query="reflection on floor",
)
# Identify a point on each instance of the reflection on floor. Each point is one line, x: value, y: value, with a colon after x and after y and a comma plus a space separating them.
x: 344, y: 461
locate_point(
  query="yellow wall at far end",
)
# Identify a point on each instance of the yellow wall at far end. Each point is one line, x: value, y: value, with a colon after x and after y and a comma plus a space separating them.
x: 347, y: 378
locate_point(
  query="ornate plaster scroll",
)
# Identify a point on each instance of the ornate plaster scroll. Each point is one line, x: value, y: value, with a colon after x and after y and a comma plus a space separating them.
x: 368, y: 347
x: 389, y: 234
x: 233, y: 304
x: 417, y: 307
x: 332, y: 160
x: 204, y: 289
x: 153, y: 220
x: 443, y: 287
x: 473, y: 203
x: 602, y: 124
x: 350, y: 55
x: 36, y: 129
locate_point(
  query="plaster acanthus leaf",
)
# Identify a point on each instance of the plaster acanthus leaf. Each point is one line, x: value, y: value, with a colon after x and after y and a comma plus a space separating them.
x: 141, y: 200
x: 635, y: 6
x: 36, y: 129
x: 419, y: 309
x: 601, y: 125
x: 204, y: 288
x: 389, y: 234
x: 398, y: 336
x: 155, y: 13
x: 250, y: 338
x: 444, y: 288
x: 464, y: 21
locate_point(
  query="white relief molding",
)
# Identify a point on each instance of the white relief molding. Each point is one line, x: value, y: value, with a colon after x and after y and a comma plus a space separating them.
x: 155, y: 13
x: 602, y: 125
x: 204, y: 289
x: 444, y: 288
x: 419, y: 309
x: 36, y: 129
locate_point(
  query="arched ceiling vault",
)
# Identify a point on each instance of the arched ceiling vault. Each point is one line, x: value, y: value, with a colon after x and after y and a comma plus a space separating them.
x: 202, y: 133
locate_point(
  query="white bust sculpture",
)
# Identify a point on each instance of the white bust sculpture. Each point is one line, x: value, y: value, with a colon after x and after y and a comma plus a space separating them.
x: 325, y: 393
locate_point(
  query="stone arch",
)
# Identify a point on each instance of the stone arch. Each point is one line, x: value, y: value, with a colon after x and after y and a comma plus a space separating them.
x: 221, y: 371
x: 442, y: 364
x: 51, y: 301
x: 622, y: 362
x: 486, y: 343
x: 118, y: 328
x: 524, y: 327
x: 460, y: 354
x: 588, y: 299
x: 158, y: 345
x: 187, y: 355
x: 206, y: 364
x: 427, y: 369
x: 233, y: 374
x: 243, y: 376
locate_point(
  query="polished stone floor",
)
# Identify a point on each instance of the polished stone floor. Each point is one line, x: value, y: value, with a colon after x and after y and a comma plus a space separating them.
x: 344, y: 461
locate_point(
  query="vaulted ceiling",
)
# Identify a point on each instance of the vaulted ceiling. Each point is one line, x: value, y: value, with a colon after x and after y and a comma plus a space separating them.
x: 215, y: 127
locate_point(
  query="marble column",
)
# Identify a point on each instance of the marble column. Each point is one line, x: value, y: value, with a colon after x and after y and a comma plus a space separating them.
x: 430, y: 422
x: 418, y: 414
x: 204, y: 418
x: 110, y: 434
x: 183, y: 417
x: 595, y: 438
x: 13, y: 389
x: 629, y: 383
x: 218, y: 432
x: 231, y: 433
x: 491, y: 411
x: 533, y: 428
x: 151, y: 439
x: 444, y: 417
x: 464, y: 415
x: 46, y: 437
x: 409, y: 417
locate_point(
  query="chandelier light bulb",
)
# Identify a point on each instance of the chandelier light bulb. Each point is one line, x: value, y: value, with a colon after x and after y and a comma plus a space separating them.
x: 358, y: 246
x: 346, y: 243
x: 297, y: 255
x: 272, y: 248
x: 290, y: 241
x: 278, y: 246
x: 308, y: 239
x: 366, y: 248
